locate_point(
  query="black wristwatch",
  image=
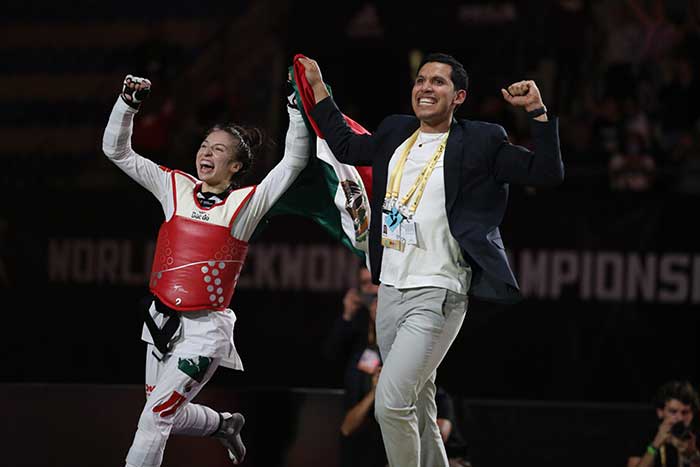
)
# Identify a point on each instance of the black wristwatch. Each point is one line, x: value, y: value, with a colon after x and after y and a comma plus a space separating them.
x: 537, y: 112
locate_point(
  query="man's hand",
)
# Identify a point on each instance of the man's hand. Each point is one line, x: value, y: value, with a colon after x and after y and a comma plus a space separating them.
x: 312, y: 71
x: 663, y: 435
x: 351, y: 303
x: 313, y: 76
x: 523, y: 94
x: 135, y: 90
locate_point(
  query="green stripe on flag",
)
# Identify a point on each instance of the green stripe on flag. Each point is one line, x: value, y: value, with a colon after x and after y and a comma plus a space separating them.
x: 312, y: 194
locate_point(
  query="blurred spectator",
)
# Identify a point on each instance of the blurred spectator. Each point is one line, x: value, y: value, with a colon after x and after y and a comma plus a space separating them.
x: 674, y: 443
x: 660, y: 34
x: 577, y: 138
x: 636, y: 119
x: 360, y: 437
x: 691, y: 39
x: 686, y: 157
x: 449, y: 430
x: 154, y: 128
x: 569, y: 21
x: 492, y: 108
x: 217, y: 101
x: 608, y: 129
x: 621, y: 52
x: 678, y: 99
x: 349, y: 333
x: 633, y: 168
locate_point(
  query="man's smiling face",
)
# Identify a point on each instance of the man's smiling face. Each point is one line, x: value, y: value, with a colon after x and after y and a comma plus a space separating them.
x: 434, y: 97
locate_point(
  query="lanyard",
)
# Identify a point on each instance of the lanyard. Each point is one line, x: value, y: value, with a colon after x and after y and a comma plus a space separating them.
x: 662, y: 452
x: 419, y: 185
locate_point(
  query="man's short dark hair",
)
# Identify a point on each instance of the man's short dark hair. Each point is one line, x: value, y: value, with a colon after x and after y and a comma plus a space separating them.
x: 682, y: 391
x: 458, y: 76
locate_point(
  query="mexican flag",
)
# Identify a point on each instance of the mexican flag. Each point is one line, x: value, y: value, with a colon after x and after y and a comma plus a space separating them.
x: 333, y: 194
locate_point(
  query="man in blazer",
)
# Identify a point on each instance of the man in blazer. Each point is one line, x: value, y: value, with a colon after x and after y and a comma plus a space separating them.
x: 439, y: 194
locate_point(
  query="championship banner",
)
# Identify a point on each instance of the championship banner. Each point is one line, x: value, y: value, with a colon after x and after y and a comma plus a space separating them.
x: 334, y: 194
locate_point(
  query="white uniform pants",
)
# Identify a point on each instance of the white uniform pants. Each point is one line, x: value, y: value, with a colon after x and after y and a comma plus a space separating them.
x: 170, y: 386
x: 415, y: 328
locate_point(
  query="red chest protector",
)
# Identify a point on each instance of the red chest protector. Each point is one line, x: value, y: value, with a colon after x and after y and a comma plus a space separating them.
x: 197, y: 262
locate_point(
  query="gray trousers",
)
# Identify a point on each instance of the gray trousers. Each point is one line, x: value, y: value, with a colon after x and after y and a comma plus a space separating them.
x: 415, y: 328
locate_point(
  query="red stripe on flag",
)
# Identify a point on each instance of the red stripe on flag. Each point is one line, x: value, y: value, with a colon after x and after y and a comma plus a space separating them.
x: 366, y: 176
x: 308, y: 101
x: 356, y: 127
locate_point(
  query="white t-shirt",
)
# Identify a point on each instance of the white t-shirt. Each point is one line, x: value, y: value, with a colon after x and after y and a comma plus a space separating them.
x: 436, y: 261
x: 205, y: 333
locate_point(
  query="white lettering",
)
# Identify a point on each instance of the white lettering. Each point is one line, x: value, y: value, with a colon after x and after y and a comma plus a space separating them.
x: 130, y: 276
x: 608, y: 281
x: 319, y: 268
x: 674, y: 283
x: 264, y: 271
x: 696, y: 280
x: 90, y: 261
x: 610, y: 275
x: 107, y: 261
x: 564, y: 271
x: 292, y: 267
x: 543, y: 274
x: 533, y: 273
x: 586, y: 275
x: 319, y: 272
x: 641, y: 276
x: 59, y: 260
x: 83, y: 261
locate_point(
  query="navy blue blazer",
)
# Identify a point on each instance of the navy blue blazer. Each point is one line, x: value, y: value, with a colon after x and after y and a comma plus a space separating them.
x: 479, y: 164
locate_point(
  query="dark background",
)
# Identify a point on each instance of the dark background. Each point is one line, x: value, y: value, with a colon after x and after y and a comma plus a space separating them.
x: 614, y: 72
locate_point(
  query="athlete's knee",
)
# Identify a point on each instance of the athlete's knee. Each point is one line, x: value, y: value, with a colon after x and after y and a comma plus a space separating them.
x: 160, y: 415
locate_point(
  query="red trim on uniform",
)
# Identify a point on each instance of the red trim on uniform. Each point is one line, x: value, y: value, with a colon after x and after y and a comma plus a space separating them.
x: 197, y: 185
x: 171, y: 405
x: 185, y: 174
x: 244, y: 201
x: 172, y: 182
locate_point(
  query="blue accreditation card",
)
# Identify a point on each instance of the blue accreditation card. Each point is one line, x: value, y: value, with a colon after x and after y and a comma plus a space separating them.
x: 391, y: 230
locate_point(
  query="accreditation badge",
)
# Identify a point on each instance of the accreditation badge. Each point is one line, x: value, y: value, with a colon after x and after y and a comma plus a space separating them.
x: 409, y: 231
x: 391, y: 229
